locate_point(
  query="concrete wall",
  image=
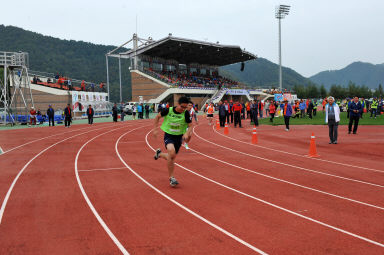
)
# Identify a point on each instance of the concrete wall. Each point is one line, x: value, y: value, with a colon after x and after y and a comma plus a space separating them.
x: 43, y: 99
x: 145, y: 87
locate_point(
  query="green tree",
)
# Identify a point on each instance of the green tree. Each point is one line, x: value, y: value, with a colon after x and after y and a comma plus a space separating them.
x: 323, y: 91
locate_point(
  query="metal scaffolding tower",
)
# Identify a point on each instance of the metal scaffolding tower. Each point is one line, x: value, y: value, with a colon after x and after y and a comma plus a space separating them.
x: 15, y: 91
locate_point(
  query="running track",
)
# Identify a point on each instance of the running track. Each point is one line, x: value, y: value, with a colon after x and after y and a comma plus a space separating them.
x: 97, y: 190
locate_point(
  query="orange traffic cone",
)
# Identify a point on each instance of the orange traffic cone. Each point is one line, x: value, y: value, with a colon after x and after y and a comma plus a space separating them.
x: 226, y: 130
x: 312, y: 147
x: 217, y: 124
x: 254, y: 136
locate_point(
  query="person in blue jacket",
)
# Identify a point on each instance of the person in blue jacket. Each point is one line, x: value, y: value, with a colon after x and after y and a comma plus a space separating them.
x: 355, y: 110
x: 287, y: 113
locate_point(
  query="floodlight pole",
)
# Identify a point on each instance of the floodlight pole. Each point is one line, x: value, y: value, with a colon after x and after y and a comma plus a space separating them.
x: 280, y: 71
x: 121, y: 92
x: 106, y: 61
x: 281, y: 12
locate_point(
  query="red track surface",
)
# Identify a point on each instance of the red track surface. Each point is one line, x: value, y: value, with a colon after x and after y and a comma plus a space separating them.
x: 233, y: 197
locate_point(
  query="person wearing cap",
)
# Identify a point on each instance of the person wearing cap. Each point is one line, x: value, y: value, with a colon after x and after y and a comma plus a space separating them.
x: 51, y: 115
x: 90, y: 113
x: 32, y: 115
x: 332, y: 117
x: 287, y: 113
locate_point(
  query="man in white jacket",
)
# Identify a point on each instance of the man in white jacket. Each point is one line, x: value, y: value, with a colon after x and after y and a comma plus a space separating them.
x: 332, y: 117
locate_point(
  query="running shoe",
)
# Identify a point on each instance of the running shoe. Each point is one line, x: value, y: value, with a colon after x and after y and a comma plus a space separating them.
x: 186, y: 146
x: 157, y: 154
x: 173, y: 182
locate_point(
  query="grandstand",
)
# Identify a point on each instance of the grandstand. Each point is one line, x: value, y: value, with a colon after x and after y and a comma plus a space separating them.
x: 162, y: 71
x: 19, y: 92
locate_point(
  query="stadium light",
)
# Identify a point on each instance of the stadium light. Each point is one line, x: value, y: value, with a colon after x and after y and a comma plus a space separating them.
x: 280, y: 12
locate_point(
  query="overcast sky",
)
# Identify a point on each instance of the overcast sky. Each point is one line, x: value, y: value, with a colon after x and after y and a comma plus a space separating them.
x: 316, y: 35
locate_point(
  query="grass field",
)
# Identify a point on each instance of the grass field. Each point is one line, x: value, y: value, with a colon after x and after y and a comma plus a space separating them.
x: 319, y: 119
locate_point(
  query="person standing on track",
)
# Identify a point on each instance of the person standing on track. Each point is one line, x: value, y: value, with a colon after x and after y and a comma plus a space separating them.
x: 222, y: 114
x: 287, y: 113
x: 114, y: 112
x: 210, y: 111
x: 237, y: 113
x: 51, y: 115
x: 177, y: 126
x: 355, y: 110
x: 192, y: 114
x: 332, y: 117
x: 67, y: 116
x: 272, y: 110
x: 90, y: 113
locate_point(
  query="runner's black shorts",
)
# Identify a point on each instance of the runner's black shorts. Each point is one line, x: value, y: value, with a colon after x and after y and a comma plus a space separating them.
x: 210, y: 115
x: 176, y: 140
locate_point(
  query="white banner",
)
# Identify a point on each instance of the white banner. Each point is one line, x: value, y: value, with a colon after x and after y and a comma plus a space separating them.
x: 90, y: 96
x: 75, y: 97
x: 237, y: 92
x: 83, y: 96
x: 97, y: 96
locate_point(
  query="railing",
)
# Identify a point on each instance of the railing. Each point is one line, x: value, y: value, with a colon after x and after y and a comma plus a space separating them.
x: 14, y: 59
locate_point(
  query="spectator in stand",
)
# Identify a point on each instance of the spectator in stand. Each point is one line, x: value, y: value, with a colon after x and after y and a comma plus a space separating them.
x: 32, y: 116
x: 355, y: 110
x: 69, y: 82
x: 222, y: 114
x: 51, y: 115
x: 237, y: 113
x: 93, y: 87
x: 272, y: 110
x: 82, y: 85
x: 310, y: 108
x: 114, y: 112
x: 287, y: 113
x: 332, y: 117
x: 146, y: 108
x: 67, y: 116
x: 90, y: 113
x: 57, y: 76
x: 49, y: 80
x: 102, y: 87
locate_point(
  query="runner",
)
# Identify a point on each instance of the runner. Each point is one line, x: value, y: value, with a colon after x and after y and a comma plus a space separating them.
x: 210, y: 111
x: 175, y: 124
x: 192, y: 115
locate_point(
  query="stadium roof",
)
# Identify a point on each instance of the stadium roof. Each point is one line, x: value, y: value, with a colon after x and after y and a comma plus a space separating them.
x: 186, y: 51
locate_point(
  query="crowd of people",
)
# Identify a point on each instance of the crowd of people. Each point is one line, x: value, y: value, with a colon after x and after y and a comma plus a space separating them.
x: 65, y: 83
x: 192, y: 80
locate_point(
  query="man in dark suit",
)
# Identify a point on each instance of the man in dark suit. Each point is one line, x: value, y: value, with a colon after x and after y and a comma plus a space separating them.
x: 68, y: 116
x: 355, y: 110
x: 90, y: 113
x: 51, y: 115
x: 114, y: 112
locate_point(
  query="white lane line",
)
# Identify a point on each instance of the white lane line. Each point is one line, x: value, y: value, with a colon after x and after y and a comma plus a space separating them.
x: 275, y: 206
x: 1, y: 151
x: 6, y: 198
x: 288, y: 182
x: 102, y: 169
x: 184, y: 207
x: 19, y: 146
x: 299, y: 155
x: 93, y: 209
x: 289, y: 165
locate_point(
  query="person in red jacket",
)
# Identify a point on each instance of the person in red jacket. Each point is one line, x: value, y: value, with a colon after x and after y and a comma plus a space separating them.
x: 32, y: 116
x: 237, y: 113
x: 272, y: 110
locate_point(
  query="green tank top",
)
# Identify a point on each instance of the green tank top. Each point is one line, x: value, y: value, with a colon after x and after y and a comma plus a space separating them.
x: 174, y: 124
